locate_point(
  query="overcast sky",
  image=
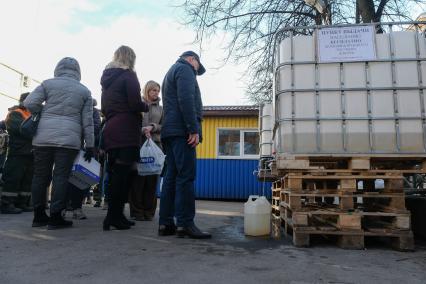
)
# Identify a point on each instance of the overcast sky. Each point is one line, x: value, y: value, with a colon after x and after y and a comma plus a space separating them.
x: 36, y: 34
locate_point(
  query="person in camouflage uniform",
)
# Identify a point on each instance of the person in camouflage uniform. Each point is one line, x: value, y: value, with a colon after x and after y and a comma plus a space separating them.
x: 18, y: 168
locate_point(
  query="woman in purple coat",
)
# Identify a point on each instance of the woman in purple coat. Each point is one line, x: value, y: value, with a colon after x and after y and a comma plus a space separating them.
x: 122, y: 106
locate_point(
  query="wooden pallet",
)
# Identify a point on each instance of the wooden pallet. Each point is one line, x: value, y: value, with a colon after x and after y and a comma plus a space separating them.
x: 344, y: 182
x: 366, y: 201
x: 349, y: 228
x: 276, y: 210
x: 400, y: 240
x: 343, y: 203
x: 378, y: 163
x: 345, y: 220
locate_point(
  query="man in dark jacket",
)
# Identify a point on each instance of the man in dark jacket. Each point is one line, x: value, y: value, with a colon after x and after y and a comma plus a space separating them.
x: 181, y: 133
x: 18, y: 168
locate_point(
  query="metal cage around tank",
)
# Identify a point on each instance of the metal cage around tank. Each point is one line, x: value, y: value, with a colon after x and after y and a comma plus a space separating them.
x: 395, y: 140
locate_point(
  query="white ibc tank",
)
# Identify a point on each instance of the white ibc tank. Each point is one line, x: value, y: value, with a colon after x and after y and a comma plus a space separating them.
x: 352, y: 107
x: 266, y: 122
x: 257, y: 216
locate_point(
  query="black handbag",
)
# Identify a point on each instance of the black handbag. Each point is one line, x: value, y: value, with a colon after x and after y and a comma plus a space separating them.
x: 30, y: 125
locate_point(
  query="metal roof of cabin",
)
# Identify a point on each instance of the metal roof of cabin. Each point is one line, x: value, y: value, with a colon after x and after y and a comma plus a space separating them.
x: 242, y: 110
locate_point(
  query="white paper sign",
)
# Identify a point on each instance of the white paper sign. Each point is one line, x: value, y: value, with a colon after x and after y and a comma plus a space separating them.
x: 340, y: 44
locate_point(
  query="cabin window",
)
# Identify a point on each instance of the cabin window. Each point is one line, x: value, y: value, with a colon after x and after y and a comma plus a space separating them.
x: 238, y: 143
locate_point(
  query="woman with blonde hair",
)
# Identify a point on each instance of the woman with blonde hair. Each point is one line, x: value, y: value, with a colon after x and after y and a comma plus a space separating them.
x: 122, y: 106
x: 142, y: 197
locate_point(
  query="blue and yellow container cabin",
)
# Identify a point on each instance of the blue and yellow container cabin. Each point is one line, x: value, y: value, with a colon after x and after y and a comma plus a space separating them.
x: 229, y: 154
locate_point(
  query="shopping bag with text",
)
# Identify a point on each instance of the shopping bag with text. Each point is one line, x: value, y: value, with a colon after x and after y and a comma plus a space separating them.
x: 151, y: 160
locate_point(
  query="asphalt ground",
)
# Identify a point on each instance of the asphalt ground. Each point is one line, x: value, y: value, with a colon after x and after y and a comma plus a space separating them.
x: 86, y: 254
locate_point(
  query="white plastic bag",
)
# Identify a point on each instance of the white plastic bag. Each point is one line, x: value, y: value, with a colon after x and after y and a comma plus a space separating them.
x: 151, y: 160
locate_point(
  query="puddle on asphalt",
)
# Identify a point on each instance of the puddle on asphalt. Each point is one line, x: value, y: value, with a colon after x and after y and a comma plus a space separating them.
x: 230, y: 238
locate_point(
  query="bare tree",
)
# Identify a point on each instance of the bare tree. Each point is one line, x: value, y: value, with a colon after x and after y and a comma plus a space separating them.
x: 252, y: 25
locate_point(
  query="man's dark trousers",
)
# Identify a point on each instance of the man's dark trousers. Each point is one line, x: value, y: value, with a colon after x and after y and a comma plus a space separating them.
x: 44, y: 159
x: 17, y: 176
x: 178, y: 192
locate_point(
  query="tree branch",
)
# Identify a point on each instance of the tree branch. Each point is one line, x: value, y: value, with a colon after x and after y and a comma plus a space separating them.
x: 380, y: 9
x: 260, y: 13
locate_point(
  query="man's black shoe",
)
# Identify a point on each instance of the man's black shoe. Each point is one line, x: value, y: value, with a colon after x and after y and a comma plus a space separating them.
x: 40, y: 217
x: 126, y: 221
x: 166, y: 230
x: 10, y: 209
x: 193, y: 232
x: 117, y: 223
x: 56, y: 221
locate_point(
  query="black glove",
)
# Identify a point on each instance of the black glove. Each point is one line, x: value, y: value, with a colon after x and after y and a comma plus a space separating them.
x: 89, y: 153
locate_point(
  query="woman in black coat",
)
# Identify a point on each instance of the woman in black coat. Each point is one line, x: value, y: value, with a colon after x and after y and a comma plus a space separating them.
x: 122, y: 106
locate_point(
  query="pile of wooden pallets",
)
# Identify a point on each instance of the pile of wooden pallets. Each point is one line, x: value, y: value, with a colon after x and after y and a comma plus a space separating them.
x: 347, y: 200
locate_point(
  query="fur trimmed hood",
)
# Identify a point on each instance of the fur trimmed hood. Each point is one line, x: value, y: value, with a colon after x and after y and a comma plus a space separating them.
x: 116, y: 65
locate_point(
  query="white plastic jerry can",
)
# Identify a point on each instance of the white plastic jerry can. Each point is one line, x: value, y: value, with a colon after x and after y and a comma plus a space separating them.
x: 257, y: 216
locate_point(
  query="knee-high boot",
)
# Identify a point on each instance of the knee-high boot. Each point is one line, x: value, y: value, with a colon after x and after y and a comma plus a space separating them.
x: 115, y: 208
x: 124, y: 196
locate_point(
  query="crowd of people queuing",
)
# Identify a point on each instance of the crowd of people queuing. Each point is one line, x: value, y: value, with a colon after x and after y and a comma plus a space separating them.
x: 38, y: 166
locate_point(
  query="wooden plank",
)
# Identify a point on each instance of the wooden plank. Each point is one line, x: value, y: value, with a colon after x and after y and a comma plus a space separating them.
x: 337, y: 193
x: 390, y: 184
x: 348, y: 185
x: 351, y: 222
x: 295, y: 202
x: 300, y: 240
x: 404, y: 243
x: 351, y: 242
x: 300, y: 219
x: 378, y: 163
x: 275, y: 218
x: 424, y: 164
x: 291, y: 183
x: 361, y: 163
x: 397, y: 203
x: 287, y: 215
x: 402, y: 222
x: 333, y: 231
x: 395, y: 156
x: 332, y: 211
x: 346, y: 203
x: 283, y: 164
x: 327, y: 230
x: 276, y: 229
x: 357, y: 171
x: 275, y: 207
x: 285, y: 197
x: 343, y: 177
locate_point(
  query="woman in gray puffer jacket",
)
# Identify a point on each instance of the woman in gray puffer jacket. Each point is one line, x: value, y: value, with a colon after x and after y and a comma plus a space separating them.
x: 65, y: 107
